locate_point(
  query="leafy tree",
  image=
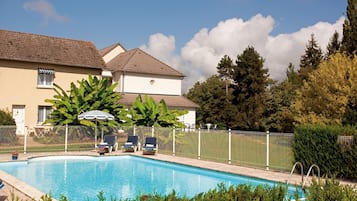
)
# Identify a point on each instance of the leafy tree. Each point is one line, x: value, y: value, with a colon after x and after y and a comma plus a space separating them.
x: 6, y: 118
x: 91, y: 94
x: 279, y: 111
x: 349, y: 40
x: 350, y: 115
x: 147, y: 113
x: 333, y: 46
x: 214, y: 106
x: 311, y: 59
x: 225, y: 70
x: 249, y: 90
x: 324, y: 97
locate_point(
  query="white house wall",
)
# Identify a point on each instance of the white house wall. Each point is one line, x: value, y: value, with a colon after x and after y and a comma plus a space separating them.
x: 150, y: 84
x: 189, y: 119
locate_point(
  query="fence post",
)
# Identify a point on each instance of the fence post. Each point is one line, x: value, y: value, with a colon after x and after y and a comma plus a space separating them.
x: 229, y: 146
x: 25, y: 143
x: 173, y: 141
x: 152, y: 131
x: 134, y: 130
x: 267, y: 158
x: 199, y: 143
x: 66, y: 139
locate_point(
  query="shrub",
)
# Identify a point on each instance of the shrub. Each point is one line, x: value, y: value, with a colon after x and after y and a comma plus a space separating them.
x: 319, y: 145
x: 7, y: 132
x: 6, y: 118
x: 330, y: 189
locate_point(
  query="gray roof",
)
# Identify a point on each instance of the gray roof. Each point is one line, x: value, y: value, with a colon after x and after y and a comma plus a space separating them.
x: 171, y: 101
x: 138, y: 61
x: 28, y: 47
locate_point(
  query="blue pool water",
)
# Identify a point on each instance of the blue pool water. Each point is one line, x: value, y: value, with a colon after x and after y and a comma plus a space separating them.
x: 82, y: 177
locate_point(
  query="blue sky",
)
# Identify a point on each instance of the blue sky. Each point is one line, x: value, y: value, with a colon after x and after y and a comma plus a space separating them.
x: 189, y: 35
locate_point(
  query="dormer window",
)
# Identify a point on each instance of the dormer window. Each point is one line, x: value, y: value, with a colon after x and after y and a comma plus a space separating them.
x: 45, y: 77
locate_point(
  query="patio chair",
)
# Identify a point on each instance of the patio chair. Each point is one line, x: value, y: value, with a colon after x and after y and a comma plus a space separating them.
x: 110, y: 143
x: 1, y: 184
x: 131, y: 144
x: 150, y: 145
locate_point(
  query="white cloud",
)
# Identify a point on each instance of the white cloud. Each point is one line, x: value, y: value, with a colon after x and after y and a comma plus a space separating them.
x: 200, y: 56
x: 44, y: 8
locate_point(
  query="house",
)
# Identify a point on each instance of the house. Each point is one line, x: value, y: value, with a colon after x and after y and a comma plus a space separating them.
x: 31, y: 63
x: 138, y: 73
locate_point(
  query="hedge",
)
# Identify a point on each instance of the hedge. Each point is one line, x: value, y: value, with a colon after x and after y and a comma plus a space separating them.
x: 320, y: 145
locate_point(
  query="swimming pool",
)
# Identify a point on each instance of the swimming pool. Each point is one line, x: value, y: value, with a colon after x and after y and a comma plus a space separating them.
x: 82, y: 177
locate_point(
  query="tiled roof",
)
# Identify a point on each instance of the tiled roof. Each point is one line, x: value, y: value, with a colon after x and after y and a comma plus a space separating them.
x: 171, y: 101
x: 138, y: 61
x: 50, y: 50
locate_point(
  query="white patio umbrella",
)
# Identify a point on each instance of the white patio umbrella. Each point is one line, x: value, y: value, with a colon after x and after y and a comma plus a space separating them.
x: 95, y: 115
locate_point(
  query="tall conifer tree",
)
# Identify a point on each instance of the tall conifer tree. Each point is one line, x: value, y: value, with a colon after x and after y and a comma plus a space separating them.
x: 311, y: 59
x: 349, y: 40
x: 249, y: 94
x: 333, y: 46
x: 225, y: 70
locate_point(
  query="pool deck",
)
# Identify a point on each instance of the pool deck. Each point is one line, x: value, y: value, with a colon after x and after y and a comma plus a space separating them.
x: 26, y: 192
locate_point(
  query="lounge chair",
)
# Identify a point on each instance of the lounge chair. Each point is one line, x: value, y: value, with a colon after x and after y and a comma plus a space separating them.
x: 1, y: 184
x: 131, y: 144
x: 150, y: 145
x: 109, y: 144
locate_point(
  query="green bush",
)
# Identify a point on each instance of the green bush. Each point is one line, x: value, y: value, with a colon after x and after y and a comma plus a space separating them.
x: 318, y: 191
x: 319, y: 145
x: 8, y: 129
x: 6, y: 118
x: 330, y: 190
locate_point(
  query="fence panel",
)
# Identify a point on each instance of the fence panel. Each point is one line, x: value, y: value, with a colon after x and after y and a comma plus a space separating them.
x: 280, y: 151
x: 81, y: 138
x: 186, y: 143
x: 214, y: 145
x: 249, y: 148
x: 143, y: 132
x: 9, y: 141
x: 164, y: 140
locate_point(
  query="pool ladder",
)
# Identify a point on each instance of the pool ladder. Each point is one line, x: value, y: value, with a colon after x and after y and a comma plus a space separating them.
x: 303, y: 179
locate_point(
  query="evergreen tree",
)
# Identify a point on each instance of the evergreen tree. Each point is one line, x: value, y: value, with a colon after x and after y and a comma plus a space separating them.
x: 291, y: 75
x: 349, y: 40
x: 280, y: 116
x: 350, y: 115
x: 311, y: 59
x: 225, y: 70
x: 333, y: 46
x: 249, y: 93
x: 214, y: 106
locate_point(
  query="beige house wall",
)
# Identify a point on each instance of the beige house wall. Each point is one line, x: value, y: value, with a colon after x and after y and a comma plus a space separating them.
x: 18, y: 86
x: 113, y: 53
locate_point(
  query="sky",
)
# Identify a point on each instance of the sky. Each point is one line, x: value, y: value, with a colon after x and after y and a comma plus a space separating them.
x: 188, y: 35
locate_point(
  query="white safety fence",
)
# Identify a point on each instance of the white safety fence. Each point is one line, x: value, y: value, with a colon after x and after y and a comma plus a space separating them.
x: 256, y: 149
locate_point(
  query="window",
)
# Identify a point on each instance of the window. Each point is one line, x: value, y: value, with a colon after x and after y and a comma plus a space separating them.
x: 45, y: 77
x: 43, y: 112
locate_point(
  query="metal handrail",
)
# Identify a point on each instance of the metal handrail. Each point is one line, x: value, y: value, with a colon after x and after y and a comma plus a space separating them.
x: 308, y: 173
x: 292, y: 171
